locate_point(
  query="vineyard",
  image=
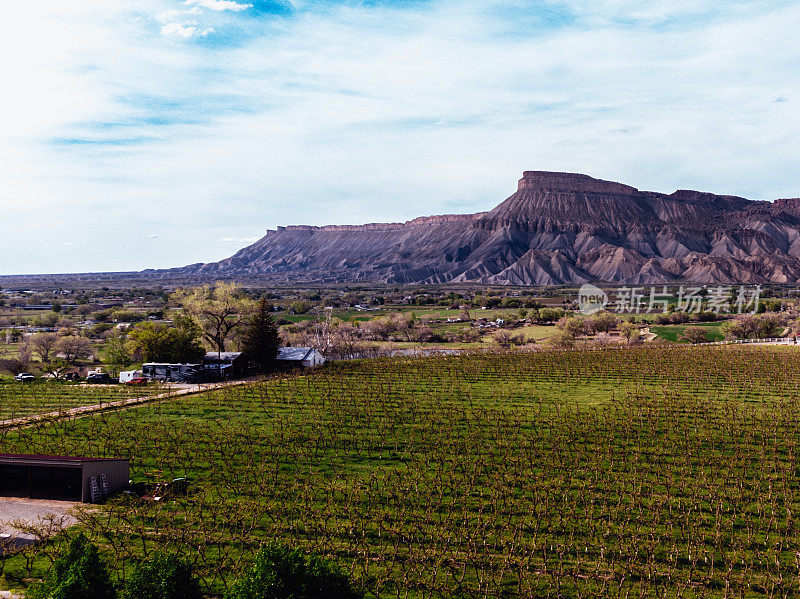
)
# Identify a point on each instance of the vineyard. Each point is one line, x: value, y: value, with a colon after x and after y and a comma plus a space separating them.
x: 43, y: 396
x: 656, y: 472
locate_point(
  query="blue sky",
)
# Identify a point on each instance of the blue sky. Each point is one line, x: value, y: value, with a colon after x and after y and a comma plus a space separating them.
x: 158, y: 133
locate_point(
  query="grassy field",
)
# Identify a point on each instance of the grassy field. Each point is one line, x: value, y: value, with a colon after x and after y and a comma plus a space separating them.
x: 42, y: 396
x: 673, y: 332
x: 533, y: 333
x: 646, y: 471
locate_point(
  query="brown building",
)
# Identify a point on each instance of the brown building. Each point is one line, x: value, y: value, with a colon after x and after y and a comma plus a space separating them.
x: 65, y: 478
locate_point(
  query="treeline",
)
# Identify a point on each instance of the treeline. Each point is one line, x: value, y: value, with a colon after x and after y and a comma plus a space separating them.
x: 215, y: 318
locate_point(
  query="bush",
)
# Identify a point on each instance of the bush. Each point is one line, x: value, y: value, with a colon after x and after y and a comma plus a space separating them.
x: 13, y: 365
x: 280, y: 573
x: 78, y: 574
x: 162, y: 577
x: 704, y: 316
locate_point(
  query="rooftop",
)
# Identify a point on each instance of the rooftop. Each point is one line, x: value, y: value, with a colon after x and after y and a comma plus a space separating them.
x: 294, y: 353
x: 22, y: 458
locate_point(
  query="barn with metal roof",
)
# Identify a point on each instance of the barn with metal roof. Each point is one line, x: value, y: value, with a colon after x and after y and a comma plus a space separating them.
x: 64, y: 478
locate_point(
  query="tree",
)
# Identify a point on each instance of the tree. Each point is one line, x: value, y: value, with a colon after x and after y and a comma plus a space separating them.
x: 217, y: 310
x: 573, y: 325
x: 300, y: 307
x: 74, y: 348
x: 754, y: 326
x: 502, y: 337
x: 280, y: 573
x: 127, y: 316
x: 78, y: 574
x: 260, y: 339
x: 561, y: 339
x: 56, y: 367
x: 48, y: 319
x: 550, y: 314
x: 630, y: 331
x: 694, y: 335
x: 678, y: 318
x: 603, y: 322
x: 44, y: 345
x: 162, y: 577
x: 117, y: 355
x: 157, y: 342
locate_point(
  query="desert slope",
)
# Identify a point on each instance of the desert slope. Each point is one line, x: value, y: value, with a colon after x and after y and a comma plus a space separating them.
x: 557, y: 228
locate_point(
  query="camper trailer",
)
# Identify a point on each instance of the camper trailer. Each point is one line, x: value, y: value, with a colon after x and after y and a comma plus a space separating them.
x: 178, y: 373
x: 126, y: 376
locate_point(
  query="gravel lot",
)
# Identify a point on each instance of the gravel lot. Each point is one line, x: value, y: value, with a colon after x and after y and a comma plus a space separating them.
x: 33, y: 512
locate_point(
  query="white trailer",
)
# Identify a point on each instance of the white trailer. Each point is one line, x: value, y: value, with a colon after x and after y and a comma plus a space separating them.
x: 128, y: 375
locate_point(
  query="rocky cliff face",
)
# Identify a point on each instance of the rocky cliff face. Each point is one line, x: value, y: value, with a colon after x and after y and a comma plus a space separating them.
x: 557, y: 228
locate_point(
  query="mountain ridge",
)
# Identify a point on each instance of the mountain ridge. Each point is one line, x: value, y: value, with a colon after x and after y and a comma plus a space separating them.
x: 557, y: 228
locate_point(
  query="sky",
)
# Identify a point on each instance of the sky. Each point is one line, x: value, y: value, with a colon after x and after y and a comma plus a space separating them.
x: 158, y: 133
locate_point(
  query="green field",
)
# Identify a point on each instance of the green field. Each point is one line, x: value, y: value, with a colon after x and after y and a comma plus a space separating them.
x: 674, y: 331
x: 43, y: 396
x: 645, y: 471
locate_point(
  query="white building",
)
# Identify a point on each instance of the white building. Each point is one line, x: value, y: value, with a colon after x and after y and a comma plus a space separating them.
x: 305, y: 356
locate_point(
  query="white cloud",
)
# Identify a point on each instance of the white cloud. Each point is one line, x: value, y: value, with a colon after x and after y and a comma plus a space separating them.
x: 366, y: 113
x: 185, y: 30
x: 219, y: 5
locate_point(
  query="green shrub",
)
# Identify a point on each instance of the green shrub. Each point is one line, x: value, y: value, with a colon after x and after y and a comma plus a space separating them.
x: 162, y: 577
x: 78, y: 574
x: 280, y: 573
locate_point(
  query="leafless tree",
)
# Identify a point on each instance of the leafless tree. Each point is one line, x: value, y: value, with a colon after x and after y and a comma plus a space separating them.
x: 74, y: 348
x: 43, y: 345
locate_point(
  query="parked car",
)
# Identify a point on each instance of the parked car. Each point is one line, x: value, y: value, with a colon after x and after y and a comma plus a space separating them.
x: 24, y: 376
x: 139, y: 380
x: 98, y: 377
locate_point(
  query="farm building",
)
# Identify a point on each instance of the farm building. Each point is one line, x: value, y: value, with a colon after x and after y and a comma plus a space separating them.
x: 225, y: 365
x: 181, y: 373
x: 63, y: 478
x: 300, y: 356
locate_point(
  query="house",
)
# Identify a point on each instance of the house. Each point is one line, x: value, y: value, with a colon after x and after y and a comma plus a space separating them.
x: 300, y: 356
x: 225, y: 365
x: 63, y: 478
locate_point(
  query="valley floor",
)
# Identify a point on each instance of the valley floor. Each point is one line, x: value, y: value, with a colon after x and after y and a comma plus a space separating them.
x: 648, y: 471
